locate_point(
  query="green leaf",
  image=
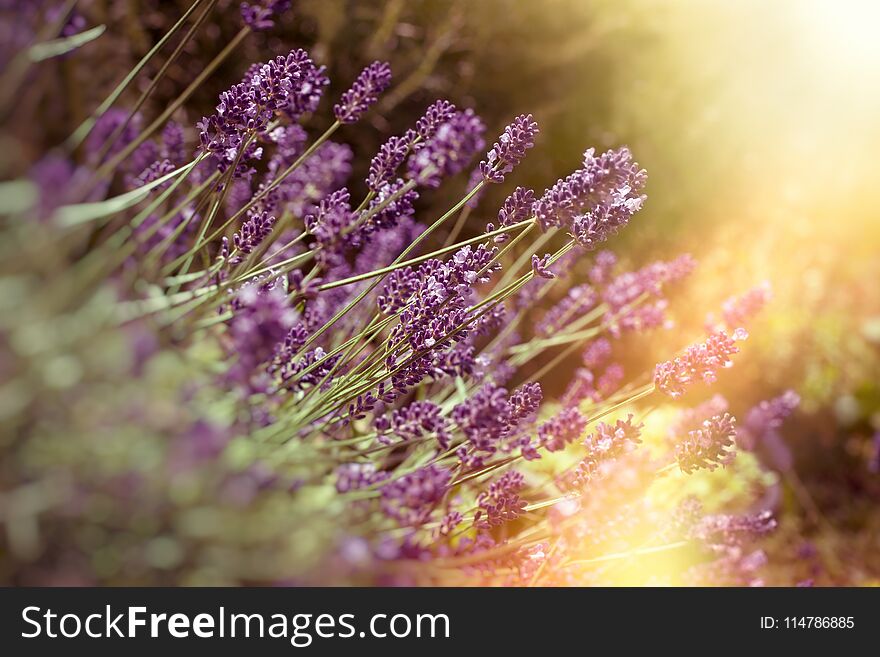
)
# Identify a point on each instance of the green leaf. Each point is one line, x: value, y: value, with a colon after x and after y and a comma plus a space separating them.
x: 56, y: 47
x: 74, y: 215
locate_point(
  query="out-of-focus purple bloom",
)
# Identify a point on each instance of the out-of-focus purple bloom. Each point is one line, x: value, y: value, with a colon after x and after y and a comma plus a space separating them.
x: 632, y: 297
x: 596, y: 353
x: 582, y: 386
x: 173, y: 143
x: 322, y: 173
x: 699, y: 362
x: 176, y: 238
x: 383, y: 245
x: 709, y: 446
x: 354, y: 476
x: 449, y: 151
x: 724, y: 531
x: 603, y: 264
x: 510, y: 148
x: 579, y: 301
x: 260, y: 15
x: 261, y: 320
x: 203, y: 441
x: 475, y: 179
x: 411, y: 499
x: 364, y: 92
x: 417, y: 420
x: 565, y: 427
x: 105, y: 127
x: 596, y: 200
x: 58, y: 182
x: 766, y: 417
x: 737, y: 311
x: 691, y: 418
x: 610, y: 380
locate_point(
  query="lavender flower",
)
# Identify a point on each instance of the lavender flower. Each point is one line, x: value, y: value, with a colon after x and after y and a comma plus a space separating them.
x: 173, y: 143
x: 709, y: 446
x: 737, y: 311
x: 324, y: 172
x: 483, y: 419
x: 699, y: 362
x: 252, y: 233
x: 436, y: 115
x: 108, y: 125
x: 501, y: 502
x: 634, y: 298
x: 386, y: 162
x: 603, y: 264
x: 364, y: 92
x: 420, y: 419
x: 723, y: 531
x: 331, y: 219
x: 307, y: 87
x: 579, y: 301
x: 355, y: 476
x: 261, y: 14
x: 392, y: 205
x: 565, y: 427
x: 541, y: 266
x: 411, y: 499
x: 246, y: 108
x: 764, y: 419
x: 596, y: 352
x: 449, y: 151
x: 261, y: 320
x: 596, y: 200
x: 517, y: 207
x: 609, y: 442
x: 510, y: 148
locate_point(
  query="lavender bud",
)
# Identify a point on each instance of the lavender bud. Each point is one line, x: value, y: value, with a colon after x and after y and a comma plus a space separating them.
x: 363, y: 93
x: 510, y: 148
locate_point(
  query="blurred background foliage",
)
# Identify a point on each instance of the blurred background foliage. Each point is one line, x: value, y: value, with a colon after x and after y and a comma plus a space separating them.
x: 756, y: 122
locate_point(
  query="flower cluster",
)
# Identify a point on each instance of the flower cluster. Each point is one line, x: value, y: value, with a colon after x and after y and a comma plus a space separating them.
x: 709, y: 446
x: 364, y: 93
x: 410, y: 499
x: 449, y: 150
x: 595, y: 201
x: 700, y: 362
x: 261, y: 15
x: 510, y: 148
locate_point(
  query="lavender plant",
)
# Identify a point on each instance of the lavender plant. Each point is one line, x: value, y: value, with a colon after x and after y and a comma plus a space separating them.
x: 319, y: 380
